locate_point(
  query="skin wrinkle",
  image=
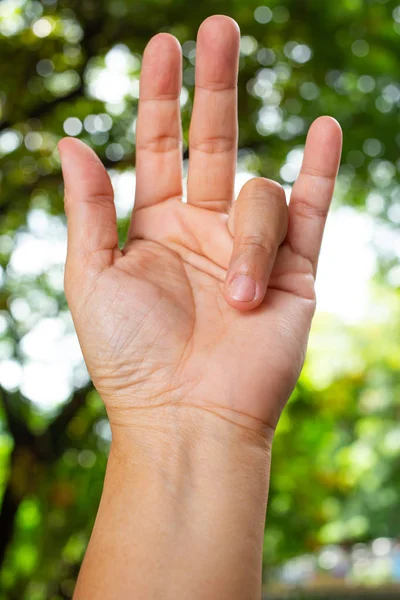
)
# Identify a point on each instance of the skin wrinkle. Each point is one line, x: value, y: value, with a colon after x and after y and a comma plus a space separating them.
x: 213, y: 409
x: 191, y: 234
x: 171, y: 142
x: 319, y: 174
x: 313, y: 266
x: 309, y: 211
x: 183, y: 256
x: 136, y: 332
x: 178, y: 248
x: 147, y: 350
x: 186, y: 349
x: 213, y: 145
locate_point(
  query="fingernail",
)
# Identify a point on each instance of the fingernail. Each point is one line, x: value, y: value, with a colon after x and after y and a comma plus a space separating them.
x: 243, y: 288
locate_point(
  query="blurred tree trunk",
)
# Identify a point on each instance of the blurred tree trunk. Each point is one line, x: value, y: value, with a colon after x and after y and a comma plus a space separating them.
x: 30, y: 453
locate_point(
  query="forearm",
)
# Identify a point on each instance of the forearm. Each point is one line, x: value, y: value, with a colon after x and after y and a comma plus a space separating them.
x: 182, y: 512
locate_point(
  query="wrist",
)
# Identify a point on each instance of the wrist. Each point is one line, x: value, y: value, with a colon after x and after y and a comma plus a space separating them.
x: 203, y: 481
x: 185, y: 440
x: 185, y: 489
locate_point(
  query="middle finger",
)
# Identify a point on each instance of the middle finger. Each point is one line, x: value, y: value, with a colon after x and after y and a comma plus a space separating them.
x: 214, y: 129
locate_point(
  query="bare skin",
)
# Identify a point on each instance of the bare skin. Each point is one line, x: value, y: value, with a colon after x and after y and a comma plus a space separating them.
x: 174, y: 346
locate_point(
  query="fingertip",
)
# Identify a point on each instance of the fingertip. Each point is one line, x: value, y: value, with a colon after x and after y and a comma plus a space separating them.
x: 323, y: 147
x: 219, y: 25
x: 327, y: 126
x: 165, y: 42
x: 63, y: 145
x: 241, y: 305
x: 82, y: 169
x: 243, y: 293
x: 219, y: 32
x: 161, y: 68
x: 72, y: 145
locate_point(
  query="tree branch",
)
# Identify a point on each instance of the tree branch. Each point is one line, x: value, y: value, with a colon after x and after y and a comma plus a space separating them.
x: 44, y: 448
x: 9, y: 508
x: 54, y: 434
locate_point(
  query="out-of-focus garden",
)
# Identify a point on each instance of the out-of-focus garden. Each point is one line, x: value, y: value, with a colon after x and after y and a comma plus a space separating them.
x: 72, y: 67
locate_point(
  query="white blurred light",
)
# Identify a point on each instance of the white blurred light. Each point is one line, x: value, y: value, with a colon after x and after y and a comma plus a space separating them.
x: 288, y: 173
x: 283, y: 72
x: 11, y: 22
x: 263, y: 14
x: 72, y: 126
x: 33, y: 256
x: 187, y: 47
x: 47, y: 330
x: 103, y: 429
x: 392, y: 92
x: 98, y: 123
x: 291, y: 169
x: 110, y: 87
x: 309, y: 90
x: 248, y: 45
x: 184, y: 97
x: 45, y: 385
x: 301, y: 53
x: 115, y: 152
x: 33, y: 141
x: 366, y: 84
x: 381, y: 546
x: 42, y: 28
x: 124, y: 191
x: 382, y: 172
x: 242, y: 177
x: 360, y: 48
x: 87, y: 459
x: 10, y: 140
x: 375, y: 203
x: 294, y: 125
x: 3, y: 323
x: 266, y: 56
x: 270, y: 120
x: 372, y: 147
x: 19, y: 309
x: 384, y: 104
x: 346, y: 266
x: 10, y: 374
x: 394, y: 213
x: 45, y: 67
x: 120, y: 59
x: 329, y: 558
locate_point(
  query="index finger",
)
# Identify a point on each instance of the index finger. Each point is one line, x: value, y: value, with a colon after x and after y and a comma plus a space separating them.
x: 313, y: 190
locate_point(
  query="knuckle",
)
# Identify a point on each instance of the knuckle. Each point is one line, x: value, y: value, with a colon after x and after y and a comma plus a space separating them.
x: 160, y: 144
x: 257, y: 243
x: 102, y: 200
x: 308, y: 210
x: 213, y: 145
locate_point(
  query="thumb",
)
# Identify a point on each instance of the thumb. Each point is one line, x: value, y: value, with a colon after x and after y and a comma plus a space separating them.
x: 89, y: 206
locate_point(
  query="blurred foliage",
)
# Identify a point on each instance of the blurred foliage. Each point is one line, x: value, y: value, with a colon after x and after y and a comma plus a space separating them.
x: 72, y: 67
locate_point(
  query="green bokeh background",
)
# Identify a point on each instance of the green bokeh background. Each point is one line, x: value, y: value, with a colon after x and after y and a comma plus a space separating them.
x: 336, y: 469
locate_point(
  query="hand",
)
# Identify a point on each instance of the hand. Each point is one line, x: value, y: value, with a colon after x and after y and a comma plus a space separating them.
x: 209, y: 304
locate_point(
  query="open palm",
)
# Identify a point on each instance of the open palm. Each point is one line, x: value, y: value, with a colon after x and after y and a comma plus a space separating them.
x: 209, y: 304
